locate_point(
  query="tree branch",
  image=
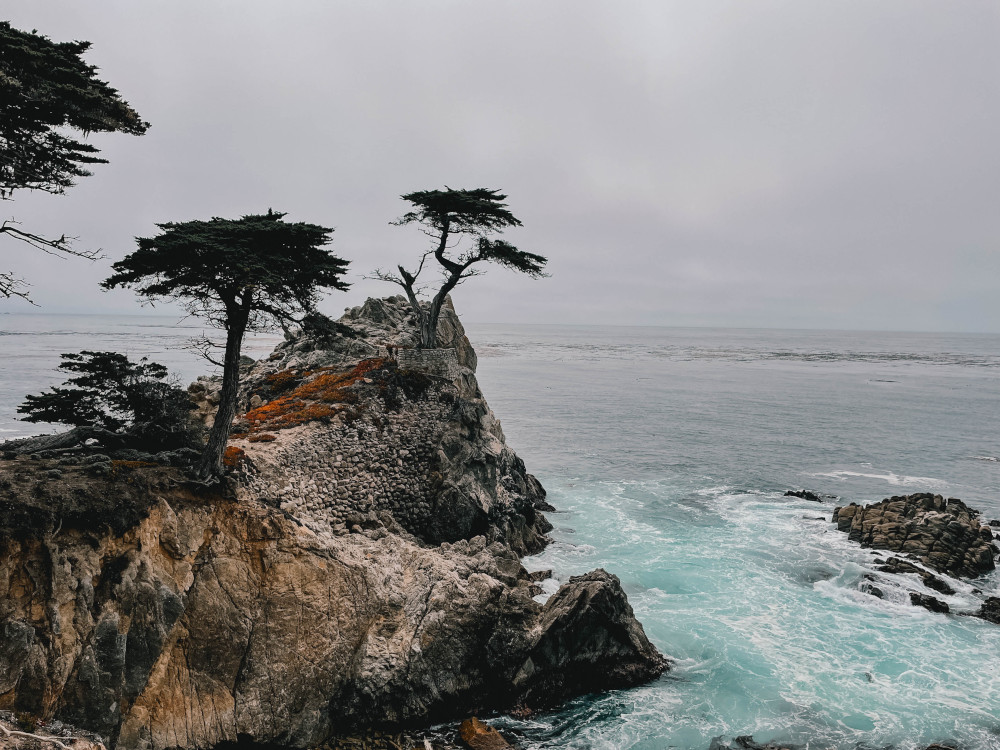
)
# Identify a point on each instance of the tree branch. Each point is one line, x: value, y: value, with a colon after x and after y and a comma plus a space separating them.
x: 63, y: 440
x: 14, y: 733
x: 202, y: 345
x: 12, y: 286
x: 379, y: 275
x: 63, y: 245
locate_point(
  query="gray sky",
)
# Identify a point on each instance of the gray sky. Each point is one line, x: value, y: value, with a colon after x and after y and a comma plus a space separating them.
x: 781, y: 163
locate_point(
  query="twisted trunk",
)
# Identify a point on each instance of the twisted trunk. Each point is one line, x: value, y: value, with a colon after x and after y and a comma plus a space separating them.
x: 211, y: 461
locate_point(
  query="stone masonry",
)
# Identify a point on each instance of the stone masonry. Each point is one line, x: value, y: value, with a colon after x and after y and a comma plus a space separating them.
x: 331, y: 478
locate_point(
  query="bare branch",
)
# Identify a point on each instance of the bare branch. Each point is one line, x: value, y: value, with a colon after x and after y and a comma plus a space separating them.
x: 12, y: 286
x: 61, y: 246
x: 379, y: 275
x: 423, y: 259
x: 470, y: 274
x: 203, y: 346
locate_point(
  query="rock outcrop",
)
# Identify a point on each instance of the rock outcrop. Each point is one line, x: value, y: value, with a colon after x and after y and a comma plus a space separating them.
x: 332, y: 438
x: 211, y: 620
x: 363, y: 572
x: 990, y: 610
x: 478, y: 736
x: 945, y: 535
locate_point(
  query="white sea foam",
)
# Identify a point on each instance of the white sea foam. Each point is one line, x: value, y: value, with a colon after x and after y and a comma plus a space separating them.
x: 896, y: 480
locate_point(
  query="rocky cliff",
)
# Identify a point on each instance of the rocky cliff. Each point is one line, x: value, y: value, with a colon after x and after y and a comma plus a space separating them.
x: 362, y: 570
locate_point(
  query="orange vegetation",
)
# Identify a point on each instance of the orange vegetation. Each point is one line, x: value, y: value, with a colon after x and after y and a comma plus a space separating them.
x: 233, y: 456
x: 283, y: 380
x: 312, y: 400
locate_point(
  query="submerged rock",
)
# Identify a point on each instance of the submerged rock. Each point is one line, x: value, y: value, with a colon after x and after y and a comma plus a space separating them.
x: 746, y: 742
x: 928, y: 602
x: 990, y: 610
x: 804, y: 495
x: 931, y: 581
x: 945, y: 535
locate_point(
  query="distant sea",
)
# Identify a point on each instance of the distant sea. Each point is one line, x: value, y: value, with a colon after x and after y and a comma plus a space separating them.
x: 667, y: 452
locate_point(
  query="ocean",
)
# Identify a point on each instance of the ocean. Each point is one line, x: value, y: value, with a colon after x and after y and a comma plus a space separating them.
x: 667, y: 452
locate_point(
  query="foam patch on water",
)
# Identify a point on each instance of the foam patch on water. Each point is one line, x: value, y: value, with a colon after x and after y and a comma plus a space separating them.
x: 891, y: 478
x: 760, y: 607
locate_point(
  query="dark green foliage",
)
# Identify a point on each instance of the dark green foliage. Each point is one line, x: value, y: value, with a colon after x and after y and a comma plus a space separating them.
x: 394, y: 384
x: 46, y: 93
x: 478, y: 213
x: 115, y: 394
x: 239, y: 274
x: 256, y: 267
x: 448, y: 216
x: 473, y: 211
x: 45, y: 89
x: 325, y: 331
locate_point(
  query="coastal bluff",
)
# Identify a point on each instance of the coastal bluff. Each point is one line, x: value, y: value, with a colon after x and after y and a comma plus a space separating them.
x: 360, y: 570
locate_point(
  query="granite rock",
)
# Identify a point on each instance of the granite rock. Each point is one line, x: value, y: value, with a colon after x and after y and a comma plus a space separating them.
x: 945, y: 535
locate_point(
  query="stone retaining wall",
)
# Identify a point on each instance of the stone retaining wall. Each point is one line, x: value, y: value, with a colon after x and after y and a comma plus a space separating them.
x: 440, y: 362
x: 328, y: 475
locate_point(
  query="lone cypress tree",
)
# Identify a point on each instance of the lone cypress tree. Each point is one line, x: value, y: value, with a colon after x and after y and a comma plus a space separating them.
x: 46, y: 91
x: 449, y: 216
x: 240, y: 275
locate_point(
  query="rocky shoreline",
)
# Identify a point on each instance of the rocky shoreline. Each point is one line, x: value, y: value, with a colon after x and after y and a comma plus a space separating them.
x: 359, y: 578
x: 934, y: 535
x: 360, y: 573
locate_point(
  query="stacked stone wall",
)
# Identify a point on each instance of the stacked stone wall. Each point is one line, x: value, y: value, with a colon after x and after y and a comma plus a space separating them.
x: 332, y: 476
x: 440, y: 362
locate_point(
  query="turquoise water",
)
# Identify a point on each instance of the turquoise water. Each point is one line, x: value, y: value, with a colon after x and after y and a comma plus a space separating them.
x: 666, y: 452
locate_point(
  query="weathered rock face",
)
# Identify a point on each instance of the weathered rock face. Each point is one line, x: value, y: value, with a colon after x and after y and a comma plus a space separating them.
x: 212, y: 620
x: 413, y: 437
x: 588, y: 640
x: 362, y: 571
x: 944, y: 535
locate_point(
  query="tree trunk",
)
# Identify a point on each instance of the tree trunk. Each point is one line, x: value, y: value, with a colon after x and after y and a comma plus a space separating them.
x: 218, y: 438
x: 428, y: 329
x: 418, y: 311
x: 64, y: 440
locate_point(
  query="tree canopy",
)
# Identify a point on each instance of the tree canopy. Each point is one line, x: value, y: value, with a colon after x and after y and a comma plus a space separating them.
x: 239, y: 274
x: 448, y: 216
x: 257, y: 265
x: 111, y: 393
x: 47, y: 91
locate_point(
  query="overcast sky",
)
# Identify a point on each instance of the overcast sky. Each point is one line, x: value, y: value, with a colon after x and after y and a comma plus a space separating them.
x: 779, y: 163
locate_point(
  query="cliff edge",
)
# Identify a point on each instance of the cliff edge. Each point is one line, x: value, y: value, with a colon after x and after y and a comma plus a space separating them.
x: 362, y: 571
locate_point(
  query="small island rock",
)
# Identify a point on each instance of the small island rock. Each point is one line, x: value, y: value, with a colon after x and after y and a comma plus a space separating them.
x: 945, y: 535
